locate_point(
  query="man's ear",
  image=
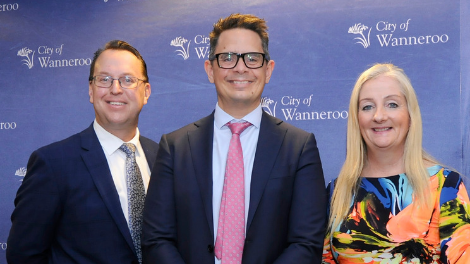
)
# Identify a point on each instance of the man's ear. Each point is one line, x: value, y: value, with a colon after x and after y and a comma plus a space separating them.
x: 90, y: 92
x: 209, y: 70
x: 269, y: 70
x: 147, y: 92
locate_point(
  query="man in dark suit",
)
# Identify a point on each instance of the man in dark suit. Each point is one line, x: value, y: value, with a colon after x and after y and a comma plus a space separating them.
x: 189, y: 210
x: 73, y: 205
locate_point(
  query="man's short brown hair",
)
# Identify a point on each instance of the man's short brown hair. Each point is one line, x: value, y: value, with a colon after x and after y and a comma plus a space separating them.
x: 250, y: 22
x: 118, y: 45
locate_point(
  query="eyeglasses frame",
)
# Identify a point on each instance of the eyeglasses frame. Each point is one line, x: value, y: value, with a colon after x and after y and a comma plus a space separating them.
x: 113, y: 79
x: 239, y: 55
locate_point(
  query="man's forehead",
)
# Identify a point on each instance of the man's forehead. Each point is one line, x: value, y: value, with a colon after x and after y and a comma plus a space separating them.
x: 239, y: 39
x: 122, y: 58
x: 113, y: 53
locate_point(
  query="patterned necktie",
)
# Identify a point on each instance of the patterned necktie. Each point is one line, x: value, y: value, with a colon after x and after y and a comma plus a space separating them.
x: 231, y: 228
x: 135, y: 196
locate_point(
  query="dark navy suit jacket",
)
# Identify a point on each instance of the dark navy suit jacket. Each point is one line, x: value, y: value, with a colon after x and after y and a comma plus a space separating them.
x: 67, y: 209
x: 287, y: 211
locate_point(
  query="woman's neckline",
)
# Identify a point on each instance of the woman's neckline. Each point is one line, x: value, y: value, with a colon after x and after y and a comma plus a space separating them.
x: 431, y: 170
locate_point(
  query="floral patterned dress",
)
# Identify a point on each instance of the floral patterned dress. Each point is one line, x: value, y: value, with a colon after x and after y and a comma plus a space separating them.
x: 385, y: 226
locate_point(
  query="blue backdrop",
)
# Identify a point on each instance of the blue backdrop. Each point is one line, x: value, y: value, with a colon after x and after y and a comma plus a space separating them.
x: 320, y: 48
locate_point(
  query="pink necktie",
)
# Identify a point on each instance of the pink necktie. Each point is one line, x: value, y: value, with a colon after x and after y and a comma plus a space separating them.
x: 231, y: 228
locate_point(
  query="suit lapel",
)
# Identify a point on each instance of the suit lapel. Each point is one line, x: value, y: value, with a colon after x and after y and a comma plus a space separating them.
x: 95, y: 160
x: 200, y: 142
x: 270, y: 140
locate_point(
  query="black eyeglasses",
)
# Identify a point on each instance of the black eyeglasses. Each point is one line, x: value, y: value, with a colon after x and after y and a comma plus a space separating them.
x: 229, y: 60
x: 126, y: 82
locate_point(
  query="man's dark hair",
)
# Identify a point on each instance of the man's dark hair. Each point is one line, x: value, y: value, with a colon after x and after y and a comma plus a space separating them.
x: 118, y: 45
x: 251, y: 22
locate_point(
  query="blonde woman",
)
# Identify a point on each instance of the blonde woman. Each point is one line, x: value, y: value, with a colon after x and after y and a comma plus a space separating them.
x: 392, y: 202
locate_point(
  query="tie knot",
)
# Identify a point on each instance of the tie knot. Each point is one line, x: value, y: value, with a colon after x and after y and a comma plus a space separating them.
x: 128, y: 148
x: 238, y: 128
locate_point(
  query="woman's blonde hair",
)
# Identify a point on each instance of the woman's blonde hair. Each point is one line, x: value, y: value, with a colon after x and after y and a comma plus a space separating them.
x: 348, y: 180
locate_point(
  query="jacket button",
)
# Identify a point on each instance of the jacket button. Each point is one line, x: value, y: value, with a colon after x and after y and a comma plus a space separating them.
x: 210, y: 248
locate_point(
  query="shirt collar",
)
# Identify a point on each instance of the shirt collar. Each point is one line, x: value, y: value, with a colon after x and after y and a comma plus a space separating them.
x: 221, y: 118
x: 110, y: 143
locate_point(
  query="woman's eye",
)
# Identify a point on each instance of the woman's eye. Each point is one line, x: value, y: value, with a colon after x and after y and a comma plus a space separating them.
x: 393, y: 105
x: 366, y: 107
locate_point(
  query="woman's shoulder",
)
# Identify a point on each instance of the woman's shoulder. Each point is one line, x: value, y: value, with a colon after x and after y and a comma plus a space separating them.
x: 452, y: 178
x: 448, y: 174
x: 448, y: 182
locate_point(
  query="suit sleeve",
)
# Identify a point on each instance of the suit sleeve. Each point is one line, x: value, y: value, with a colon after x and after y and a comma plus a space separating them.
x: 159, y: 236
x: 35, y: 215
x: 308, y: 209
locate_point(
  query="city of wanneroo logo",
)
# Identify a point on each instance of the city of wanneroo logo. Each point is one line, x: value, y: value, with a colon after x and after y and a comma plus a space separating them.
x: 28, y: 61
x: 21, y: 172
x: 390, y: 34
x: 299, y: 109
x: 47, y: 57
x: 359, y: 29
x: 182, y: 51
x: 269, y: 106
x: 200, y: 46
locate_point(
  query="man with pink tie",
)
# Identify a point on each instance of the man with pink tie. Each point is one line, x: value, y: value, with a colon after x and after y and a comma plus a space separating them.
x: 238, y: 186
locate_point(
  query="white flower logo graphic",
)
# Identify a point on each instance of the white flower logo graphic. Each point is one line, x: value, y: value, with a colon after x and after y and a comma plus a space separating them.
x: 24, y: 52
x: 179, y: 42
x: 265, y: 103
x: 21, y: 172
x: 358, y: 29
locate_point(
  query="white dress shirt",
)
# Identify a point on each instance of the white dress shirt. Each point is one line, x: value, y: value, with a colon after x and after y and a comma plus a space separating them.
x: 221, y: 141
x: 117, y: 162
